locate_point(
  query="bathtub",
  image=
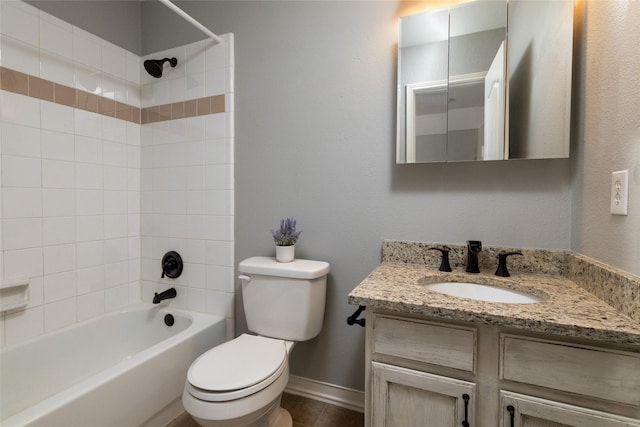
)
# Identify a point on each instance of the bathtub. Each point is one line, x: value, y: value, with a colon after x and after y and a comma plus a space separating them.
x: 124, y: 369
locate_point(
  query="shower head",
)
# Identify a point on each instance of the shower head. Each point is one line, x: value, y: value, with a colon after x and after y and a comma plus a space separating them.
x: 154, y: 66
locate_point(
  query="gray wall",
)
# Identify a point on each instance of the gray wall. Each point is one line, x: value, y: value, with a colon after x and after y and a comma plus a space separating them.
x: 315, y: 114
x: 608, y: 133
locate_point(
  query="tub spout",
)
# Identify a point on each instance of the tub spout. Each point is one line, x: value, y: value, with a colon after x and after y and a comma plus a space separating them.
x: 169, y: 293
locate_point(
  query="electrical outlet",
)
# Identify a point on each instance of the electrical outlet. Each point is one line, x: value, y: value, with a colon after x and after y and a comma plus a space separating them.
x: 619, y: 192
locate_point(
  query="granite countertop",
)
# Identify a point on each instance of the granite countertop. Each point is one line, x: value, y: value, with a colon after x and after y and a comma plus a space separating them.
x: 566, y: 309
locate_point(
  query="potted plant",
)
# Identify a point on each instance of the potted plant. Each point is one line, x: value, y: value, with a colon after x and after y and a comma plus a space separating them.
x: 285, y: 239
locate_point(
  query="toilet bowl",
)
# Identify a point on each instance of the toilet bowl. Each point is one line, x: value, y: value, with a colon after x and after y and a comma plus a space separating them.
x: 240, y: 383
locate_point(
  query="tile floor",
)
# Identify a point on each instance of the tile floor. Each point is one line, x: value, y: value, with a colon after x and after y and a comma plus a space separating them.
x: 305, y: 413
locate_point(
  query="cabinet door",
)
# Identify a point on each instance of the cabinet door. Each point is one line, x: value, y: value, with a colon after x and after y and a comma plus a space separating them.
x: 525, y: 411
x: 406, y: 398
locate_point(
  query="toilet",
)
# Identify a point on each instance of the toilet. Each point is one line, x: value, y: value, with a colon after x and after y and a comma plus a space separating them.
x: 240, y: 382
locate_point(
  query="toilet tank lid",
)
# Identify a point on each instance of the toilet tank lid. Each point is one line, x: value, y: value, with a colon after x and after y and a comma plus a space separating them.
x: 296, y: 269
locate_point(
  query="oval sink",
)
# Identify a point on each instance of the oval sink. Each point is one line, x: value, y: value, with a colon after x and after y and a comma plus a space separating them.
x: 482, y: 292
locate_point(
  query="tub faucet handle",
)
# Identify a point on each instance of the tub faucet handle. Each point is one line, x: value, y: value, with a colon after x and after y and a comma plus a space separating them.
x: 502, y: 263
x: 444, y: 263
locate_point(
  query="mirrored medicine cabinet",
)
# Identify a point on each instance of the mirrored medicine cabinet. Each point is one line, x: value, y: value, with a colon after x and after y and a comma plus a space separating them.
x: 485, y: 80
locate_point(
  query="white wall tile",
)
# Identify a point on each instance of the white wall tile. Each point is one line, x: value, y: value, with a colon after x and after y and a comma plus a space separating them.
x: 90, y: 305
x: 195, y: 275
x: 58, y: 174
x: 19, y: 21
x: 90, y: 279
x: 59, y: 286
x: 115, y: 250
x: 197, y: 299
x: 59, y: 230
x: 89, y: 176
x: 220, y: 303
x: 20, y: 140
x: 21, y: 202
x: 115, y: 202
x: 133, y: 180
x: 58, y: 202
x: 21, y: 172
x: 86, y: 48
x: 113, y: 60
x: 114, y: 154
x: 23, y: 263
x: 36, y: 291
x: 57, y: 117
x: 56, y: 68
x: 21, y: 233
x: 55, y: 37
x: 88, y: 150
x: 59, y: 314
x: 57, y: 145
x: 116, y: 297
x: 20, y: 56
x: 215, y: 82
x: 89, y: 202
x: 87, y: 124
x: 22, y: 325
x: 90, y: 254
x: 115, y: 226
x: 60, y: 258
x: 116, y: 274
x: 89, y: 227
x: 87, y: 79
x: 115, y: 178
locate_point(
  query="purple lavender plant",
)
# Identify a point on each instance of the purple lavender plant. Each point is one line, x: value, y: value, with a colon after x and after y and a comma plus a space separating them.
x: 286, y: 235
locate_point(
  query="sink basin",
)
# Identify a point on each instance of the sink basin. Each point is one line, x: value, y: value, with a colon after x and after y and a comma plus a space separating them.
x: 482, y: 292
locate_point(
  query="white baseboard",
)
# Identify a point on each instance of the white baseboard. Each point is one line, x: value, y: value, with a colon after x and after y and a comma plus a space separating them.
x: 328, y: 393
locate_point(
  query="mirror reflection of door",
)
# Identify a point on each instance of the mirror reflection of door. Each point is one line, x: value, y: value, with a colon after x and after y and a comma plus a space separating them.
x: 477, y: 31
x: 443, y: 60
x: 423, y: 48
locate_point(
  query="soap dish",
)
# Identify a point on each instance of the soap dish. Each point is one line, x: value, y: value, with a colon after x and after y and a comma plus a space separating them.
x: 14, y: 294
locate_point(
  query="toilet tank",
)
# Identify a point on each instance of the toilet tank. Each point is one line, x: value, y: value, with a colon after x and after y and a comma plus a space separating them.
x: 284, y: 300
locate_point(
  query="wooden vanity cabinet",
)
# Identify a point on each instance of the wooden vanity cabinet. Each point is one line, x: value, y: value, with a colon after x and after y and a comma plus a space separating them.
x: 423, y: 372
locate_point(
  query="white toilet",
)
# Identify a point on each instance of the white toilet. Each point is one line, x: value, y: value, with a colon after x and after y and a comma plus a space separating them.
x: 240, y: 383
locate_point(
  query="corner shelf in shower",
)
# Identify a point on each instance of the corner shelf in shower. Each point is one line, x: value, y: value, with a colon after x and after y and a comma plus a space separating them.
x: 14, y: 294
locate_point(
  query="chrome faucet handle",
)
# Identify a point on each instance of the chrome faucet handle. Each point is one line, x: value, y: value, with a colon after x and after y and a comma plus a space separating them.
x: 444, y: 263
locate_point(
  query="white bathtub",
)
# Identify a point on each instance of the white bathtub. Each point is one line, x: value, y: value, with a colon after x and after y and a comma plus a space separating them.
x: 122, y: 369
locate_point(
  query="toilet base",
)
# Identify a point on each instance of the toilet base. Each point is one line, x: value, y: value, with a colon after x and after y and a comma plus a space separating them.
x: 272, y: 416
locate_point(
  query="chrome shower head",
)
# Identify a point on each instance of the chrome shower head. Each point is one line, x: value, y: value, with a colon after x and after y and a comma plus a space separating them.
x: 154, y: 66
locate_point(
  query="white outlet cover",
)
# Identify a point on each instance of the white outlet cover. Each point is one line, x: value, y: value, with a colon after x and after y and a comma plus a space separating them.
x: 619, y: 192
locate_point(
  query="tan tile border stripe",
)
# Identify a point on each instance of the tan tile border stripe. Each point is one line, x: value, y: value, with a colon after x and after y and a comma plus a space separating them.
x: 35, y: 87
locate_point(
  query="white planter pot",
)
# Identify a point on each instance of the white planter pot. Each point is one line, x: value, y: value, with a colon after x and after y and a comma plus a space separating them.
x: 285, y: 253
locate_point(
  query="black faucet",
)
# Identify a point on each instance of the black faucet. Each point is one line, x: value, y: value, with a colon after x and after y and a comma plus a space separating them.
x: 444, y: 262
x: 502, y: 263
x: 169, y: 293
x: 474, y: 247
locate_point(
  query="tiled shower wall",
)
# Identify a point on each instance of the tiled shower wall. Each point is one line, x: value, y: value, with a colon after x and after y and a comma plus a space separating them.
x: 87, y: 150
x: 187, y: 177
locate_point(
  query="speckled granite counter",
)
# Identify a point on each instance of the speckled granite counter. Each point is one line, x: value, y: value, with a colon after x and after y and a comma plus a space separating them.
x: 566, y: 308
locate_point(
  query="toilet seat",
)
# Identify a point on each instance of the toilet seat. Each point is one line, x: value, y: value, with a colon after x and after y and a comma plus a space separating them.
x: 237, y: 368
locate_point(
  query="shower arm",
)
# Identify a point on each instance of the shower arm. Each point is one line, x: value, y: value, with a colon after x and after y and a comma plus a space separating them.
x: 192, y: 21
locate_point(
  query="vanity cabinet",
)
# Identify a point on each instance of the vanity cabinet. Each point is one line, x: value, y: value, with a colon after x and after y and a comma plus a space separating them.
x: 405, y: 397
x: 427, y: 372
x: 527, y: 411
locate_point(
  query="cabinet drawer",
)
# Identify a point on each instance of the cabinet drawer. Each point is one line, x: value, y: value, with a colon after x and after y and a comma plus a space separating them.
x: 450, y: 346
x: 589, y: 371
